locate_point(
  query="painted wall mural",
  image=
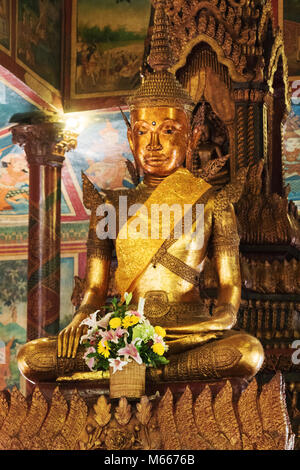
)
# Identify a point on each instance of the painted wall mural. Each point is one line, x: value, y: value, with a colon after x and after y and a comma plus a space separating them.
x: 291, y: 33
x: 291, y: 154
x: 39, y: 38
x: 11, y: 103
x: 108, y: 45
x: 14, y: 185
x: 14, y: 180
x: 13, y: 296
x: 102, y: 150
x: 5, y: 26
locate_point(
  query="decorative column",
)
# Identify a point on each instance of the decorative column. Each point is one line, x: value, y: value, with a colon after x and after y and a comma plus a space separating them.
x: 45, y: 144
x: 250, y: 145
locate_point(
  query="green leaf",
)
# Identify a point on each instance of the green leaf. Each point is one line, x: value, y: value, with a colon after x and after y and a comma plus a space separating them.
x: 92, y: 355
x: 163, y: 360
x: 128, y: 298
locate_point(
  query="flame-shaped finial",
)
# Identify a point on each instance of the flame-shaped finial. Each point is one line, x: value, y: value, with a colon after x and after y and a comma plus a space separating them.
x: 160, y: 87
x: 160, y: 54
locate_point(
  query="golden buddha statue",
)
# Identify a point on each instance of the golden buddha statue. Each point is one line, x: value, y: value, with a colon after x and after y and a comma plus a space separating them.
x: 164, y: 270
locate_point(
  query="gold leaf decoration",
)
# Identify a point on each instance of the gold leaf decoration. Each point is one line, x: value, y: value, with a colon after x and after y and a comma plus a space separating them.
x: 249, y: 414
x: 206, y: 422
x: 102, y: 411
x: 185, y: 422
x: 75, y: 421
x: 55, y: 419
x: 166, y: 422
x: 225, y: 416
x: 248, y: 421
x: 16, y: 444
x: 276, y: 423
x: 118, y: 439
x: 246, y: 443
x: 60, y: 443
x: 144, y: 411
x: 3, y: 408
x: 123, y: 412
x: 35, y: 417
x: 16, y: 414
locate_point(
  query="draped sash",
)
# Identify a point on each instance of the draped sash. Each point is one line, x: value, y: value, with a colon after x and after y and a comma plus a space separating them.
x: 135, y: 254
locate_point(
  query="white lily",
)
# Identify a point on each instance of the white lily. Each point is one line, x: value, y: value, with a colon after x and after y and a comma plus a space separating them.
x: 141, y: 305
x: 117, y: 364
x: 91, y: 320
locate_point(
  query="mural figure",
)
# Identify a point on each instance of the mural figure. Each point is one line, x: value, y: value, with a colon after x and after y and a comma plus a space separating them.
x: 14, y: 181
x: 291, y: 29
x: 109, y: 53
x: 39, y: 37
x: 4, y: 23
x: 291, y: 155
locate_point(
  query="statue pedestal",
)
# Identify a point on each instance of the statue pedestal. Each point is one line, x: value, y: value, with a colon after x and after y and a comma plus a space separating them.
x: 219, y: 415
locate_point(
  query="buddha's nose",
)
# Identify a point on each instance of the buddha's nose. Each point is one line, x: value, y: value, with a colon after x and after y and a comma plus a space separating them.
x: 154, y: 143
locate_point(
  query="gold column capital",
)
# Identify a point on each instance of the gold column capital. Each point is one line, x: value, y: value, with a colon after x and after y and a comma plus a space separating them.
x: 45, y: 143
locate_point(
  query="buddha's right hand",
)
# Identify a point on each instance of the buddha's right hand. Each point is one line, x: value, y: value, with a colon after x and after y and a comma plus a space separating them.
x: 69, y: 337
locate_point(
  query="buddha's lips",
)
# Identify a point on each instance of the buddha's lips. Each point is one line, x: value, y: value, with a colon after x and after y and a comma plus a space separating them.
x: 155, y: 158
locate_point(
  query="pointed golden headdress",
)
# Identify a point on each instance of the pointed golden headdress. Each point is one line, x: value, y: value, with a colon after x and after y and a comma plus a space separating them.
x: 160, y: 88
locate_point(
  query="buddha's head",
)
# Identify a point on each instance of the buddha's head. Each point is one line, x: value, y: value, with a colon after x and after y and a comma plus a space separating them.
x: 158, y: 138
x: 160, y: 109
x: 159, y: 133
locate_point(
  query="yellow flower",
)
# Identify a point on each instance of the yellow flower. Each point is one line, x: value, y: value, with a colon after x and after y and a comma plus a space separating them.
x: 103, y: 349
x: 158, y: 348
x: 130, y: 320
x: 115, y: 322
x: 160, y: 331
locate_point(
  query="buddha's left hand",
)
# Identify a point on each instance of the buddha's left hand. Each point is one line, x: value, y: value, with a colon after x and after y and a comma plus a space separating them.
x: 224, y: 318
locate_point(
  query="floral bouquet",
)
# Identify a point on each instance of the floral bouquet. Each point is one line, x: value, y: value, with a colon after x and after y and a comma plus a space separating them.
x: 121, y: 336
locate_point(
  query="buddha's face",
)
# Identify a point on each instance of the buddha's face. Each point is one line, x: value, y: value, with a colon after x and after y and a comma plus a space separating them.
x: 158, y: 139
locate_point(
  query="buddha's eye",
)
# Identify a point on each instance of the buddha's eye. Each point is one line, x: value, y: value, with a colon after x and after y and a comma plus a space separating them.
x: 141, y: 132
x: 169, y: 131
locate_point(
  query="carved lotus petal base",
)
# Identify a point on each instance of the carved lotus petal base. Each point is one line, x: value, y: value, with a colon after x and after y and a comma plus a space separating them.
x: 223, y: 415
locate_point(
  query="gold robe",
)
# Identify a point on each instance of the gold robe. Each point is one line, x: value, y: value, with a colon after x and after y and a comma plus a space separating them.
x: 134, y: 254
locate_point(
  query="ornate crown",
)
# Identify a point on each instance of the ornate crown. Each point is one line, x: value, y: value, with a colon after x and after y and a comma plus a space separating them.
x: 160, y: 88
